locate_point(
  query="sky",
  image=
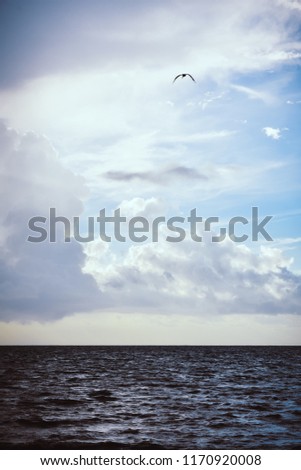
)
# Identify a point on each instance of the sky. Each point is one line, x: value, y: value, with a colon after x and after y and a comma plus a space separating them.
x: 92, y: 125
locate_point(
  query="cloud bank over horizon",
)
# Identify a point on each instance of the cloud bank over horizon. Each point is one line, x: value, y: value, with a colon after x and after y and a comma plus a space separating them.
x: 44, y: 281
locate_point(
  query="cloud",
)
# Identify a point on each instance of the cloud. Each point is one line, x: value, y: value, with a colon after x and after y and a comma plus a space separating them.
x: 157, y: 177
x: 99, y: 36
x: 291, y: 4
x: 47, y: 281
x: 200, y: 136
x: 186, y: 173
x: 138, y: 206
x: 199, y: 278
x: 264, y: 96
x: 274, y: 133
x: 40, y: 281
x: 293, y: 102
x: 210, y: 97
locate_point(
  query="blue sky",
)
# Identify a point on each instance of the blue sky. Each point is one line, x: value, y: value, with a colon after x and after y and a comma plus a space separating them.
x: 91, y: 119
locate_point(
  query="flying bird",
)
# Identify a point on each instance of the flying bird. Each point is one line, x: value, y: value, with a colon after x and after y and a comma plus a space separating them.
x: 183, y: 75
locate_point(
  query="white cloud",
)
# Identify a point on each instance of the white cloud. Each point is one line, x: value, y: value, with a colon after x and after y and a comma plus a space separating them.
x: 291, y: 4
x: 199, y: 137
x: 293, y: 102
x: 210, y: 97
x: 203, y: 278
x: 148, y: 208
x: 92, y: 75
x: 274, y: 133
x: 264, y: 96
x: 287, y: 241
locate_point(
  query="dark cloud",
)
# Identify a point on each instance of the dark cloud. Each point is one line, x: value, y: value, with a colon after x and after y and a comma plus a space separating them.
x: 125, y: 176
x: 41, y: 281
x: 44, y: 37
x: 185, y: 172
x: 157, y: 177
x: 45, y: 282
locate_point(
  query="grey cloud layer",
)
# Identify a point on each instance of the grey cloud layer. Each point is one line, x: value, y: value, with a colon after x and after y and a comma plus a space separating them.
x: 159, y: 177
x: 38, y: 281
x: 38, y: 38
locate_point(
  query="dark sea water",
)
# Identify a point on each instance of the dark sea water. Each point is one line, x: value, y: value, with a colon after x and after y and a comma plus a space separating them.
x: 150, y: 397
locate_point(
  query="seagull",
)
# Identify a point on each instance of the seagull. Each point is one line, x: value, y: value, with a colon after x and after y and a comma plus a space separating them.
x: 183, y: 75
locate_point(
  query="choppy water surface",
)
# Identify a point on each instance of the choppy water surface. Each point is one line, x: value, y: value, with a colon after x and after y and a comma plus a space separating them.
x: 150, y: 397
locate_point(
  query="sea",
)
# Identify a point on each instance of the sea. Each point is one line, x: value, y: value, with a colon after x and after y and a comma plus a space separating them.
x: 150, y: 397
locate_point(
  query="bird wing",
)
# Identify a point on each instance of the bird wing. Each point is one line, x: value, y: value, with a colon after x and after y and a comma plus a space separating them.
x: 191, y: 77
x: 180, y: 75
